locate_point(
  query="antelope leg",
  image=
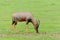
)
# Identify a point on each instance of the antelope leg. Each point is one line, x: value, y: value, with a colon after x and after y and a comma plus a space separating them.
x: 10, y: 28
x: 26, y: 28
x: 15, y: 27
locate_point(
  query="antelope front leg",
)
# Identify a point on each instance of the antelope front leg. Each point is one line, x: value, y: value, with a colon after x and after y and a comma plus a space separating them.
x: 15, y: 28
x: 26, y: 28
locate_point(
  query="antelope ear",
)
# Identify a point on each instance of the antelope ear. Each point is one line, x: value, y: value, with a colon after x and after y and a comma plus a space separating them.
x: 38, y: 21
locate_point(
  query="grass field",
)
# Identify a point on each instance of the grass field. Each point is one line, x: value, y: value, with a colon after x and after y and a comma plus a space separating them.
x: 48, y: 11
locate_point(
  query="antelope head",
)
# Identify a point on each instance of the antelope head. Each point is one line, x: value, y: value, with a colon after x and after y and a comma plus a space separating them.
x: 36, y: 24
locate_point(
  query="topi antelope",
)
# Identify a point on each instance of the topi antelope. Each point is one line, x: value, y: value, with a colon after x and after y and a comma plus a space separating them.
x: 24, y: 16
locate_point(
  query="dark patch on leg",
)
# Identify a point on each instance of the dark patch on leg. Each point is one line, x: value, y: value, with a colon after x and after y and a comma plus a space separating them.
x: 14, y: 22
x: 28, y: 20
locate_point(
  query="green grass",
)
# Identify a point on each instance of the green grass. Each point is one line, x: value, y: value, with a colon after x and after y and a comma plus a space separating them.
x: 48, y: 11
